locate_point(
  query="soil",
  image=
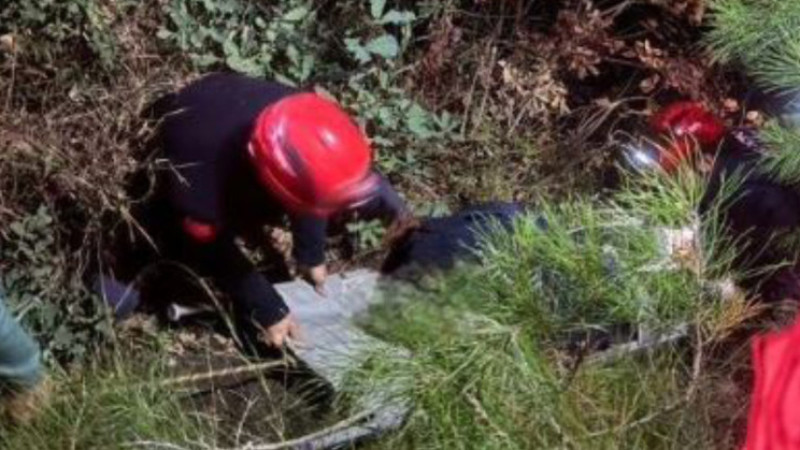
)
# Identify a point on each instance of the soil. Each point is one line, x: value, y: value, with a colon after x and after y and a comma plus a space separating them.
x: 266, y: 404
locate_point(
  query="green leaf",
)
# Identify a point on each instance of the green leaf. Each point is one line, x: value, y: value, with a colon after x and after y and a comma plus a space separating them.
x: 296, y: 14
x: 19, y: 229
x: 307, y: 67
x: 395, y: 17
x: 383, y: 79
x: 247, y: 66
x: 376, y: 8
x: 280, y: 78
x: 382, y: 141
x: 418, y: 122
x: 230, y: 48
x: 229, y: 6
x: 197, y: 40
x: 359, y: 52
x: 385, y: 46
x: 387, y: 117
x: 210, y: 5
x: 62, y: 337
x: 293, y: 54
x: 163, y: 34
x: 205, y: 60
x: 42, y: 218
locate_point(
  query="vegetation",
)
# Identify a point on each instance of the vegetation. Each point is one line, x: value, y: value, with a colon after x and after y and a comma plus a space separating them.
x: 464, y: 101
x: 112, y: 404
x: 761, y: 36
x: 506, y: 353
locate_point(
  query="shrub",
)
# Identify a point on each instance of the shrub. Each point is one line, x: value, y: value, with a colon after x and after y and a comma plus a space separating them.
x: 503, y: 350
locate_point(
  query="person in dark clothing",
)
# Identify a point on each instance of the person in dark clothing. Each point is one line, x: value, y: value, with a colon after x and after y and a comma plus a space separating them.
x: 759, y: 209
x: 439, y: 243
x: 245, y: 153
x: 756, y: 215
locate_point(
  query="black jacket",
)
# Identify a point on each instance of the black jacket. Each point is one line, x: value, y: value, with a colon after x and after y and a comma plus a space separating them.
x: 439, y: 243
x: 759, y: 210
x: 205, y: 129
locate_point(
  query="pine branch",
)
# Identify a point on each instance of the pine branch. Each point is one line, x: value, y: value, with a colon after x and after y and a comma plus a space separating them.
x: 783, y: 160
x: 762, y: 35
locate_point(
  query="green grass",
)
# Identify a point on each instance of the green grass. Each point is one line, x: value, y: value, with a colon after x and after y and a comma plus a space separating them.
x: 491, y: 368
x: 782, y: 161
x: 762, y: 36
x: 110, y: 405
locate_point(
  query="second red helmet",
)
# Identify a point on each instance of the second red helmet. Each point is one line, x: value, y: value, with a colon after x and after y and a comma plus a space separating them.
x: 676, y: 133
x: 311, y: 155
x: 689, y: 119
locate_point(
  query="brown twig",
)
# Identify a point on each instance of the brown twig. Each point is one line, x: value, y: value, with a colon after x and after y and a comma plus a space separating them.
x: 688, y: 397
x: 223, y: 373
x: 344, y: 424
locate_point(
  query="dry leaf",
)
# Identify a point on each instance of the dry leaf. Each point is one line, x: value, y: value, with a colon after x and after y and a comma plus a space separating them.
x: 755, y: 118
x: 731, y: 105
x: 8, y: 43
x: 649, y: 84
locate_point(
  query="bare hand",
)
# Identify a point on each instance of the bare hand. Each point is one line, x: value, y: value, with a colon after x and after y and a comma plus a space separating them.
x: 280, y: 333
x: 316, y: 276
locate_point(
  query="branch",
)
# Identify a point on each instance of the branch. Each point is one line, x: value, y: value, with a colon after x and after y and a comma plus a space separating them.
x: 344, y: 424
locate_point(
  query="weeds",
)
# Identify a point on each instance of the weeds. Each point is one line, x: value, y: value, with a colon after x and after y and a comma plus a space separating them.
x: 759, y: 35
x: 782, y: 161
x: 248, y: 38
x: 38, y: 283
x: 109, y: 405
x: 464, y: 101
x: 502, y: 351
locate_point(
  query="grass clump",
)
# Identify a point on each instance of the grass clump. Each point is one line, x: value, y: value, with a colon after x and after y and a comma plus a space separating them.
x: 112, y: 404
x: 761, y: 34
x: 782, y: 161
x: 505, y: 353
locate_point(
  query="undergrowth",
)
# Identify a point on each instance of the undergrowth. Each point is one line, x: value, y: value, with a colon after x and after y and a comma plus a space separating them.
x: 464, y: 101
x: 507, y: 354
x: 114, y: 403
x: 453, y: 95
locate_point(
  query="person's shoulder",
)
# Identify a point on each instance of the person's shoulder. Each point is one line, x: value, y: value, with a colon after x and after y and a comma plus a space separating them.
x: 230, y: 80
x: 740, y: 148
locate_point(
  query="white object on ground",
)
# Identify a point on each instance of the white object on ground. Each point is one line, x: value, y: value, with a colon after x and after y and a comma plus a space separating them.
x: 333, y: 345
x: 176, y: 311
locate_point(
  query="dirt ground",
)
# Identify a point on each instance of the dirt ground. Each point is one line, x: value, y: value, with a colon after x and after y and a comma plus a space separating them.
x: 246, y: 400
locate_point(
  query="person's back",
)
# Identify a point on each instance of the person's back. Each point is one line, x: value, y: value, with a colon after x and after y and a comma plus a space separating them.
x: 756, y: 211
x: 205, y: 134
x: 438, y: 244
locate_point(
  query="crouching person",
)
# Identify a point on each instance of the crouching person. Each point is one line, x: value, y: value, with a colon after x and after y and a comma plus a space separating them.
x: 21, y: 375
x: 759, y: 210
x: 245, y: 153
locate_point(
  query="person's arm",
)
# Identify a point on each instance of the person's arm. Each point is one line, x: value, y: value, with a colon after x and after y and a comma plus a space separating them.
x: 386, y: 205
x: 255, y: 298
x: 309, y: 235
x: 20, y: 365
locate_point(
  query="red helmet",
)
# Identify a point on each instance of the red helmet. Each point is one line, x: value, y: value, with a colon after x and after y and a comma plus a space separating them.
x: 312, y: 155
x: 676, y: 132
x: 689, y: 120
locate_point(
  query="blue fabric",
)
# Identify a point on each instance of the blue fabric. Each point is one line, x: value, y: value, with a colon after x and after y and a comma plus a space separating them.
x: 20, y: 365
x: 441, y: 242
